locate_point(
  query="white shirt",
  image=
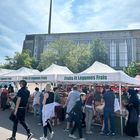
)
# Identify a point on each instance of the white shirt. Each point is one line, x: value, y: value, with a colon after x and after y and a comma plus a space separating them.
x: 36, y: 96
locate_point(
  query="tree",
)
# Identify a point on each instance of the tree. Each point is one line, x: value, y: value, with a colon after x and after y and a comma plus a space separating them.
x: 35, y: 63
x: 133, y: 69
x: 19, y: 60
x: 66, y: 53
x: 56, y: 53
x: 9, y: 64
x: 78, y: 58
x: 98, y: 51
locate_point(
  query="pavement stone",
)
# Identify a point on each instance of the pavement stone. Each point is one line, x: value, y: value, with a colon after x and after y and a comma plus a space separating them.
x: 6, y: 127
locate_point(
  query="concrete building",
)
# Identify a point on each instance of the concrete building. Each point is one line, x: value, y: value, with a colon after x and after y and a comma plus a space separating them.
x: 123, y: 45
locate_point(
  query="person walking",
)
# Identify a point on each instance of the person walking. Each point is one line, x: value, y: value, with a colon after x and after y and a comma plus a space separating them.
x: 77, y: 112
x: 20, y: 109
x: 48, y: 111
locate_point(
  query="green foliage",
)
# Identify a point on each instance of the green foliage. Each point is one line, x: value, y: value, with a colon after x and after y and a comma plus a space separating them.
x: 133, y: 69
x: 56, y: 53
x: 9, y: 64
x: 19, y: 60
x: 35, y: 63
x: 62, y: 52
x: 78, y: 58
x: 98, y: 51
x: 66, y: 53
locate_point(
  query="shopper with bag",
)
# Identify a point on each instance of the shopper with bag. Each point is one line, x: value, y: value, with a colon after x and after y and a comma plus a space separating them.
x: 20, y: 109
x: 48, y: 112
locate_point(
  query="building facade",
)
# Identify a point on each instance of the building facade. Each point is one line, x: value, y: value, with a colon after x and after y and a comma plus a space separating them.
x: 123, y: 45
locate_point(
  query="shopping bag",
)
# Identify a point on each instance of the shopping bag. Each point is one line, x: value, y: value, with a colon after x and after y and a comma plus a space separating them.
x: 133, y: 116
x: 12, y: 117
x: 116, y: 105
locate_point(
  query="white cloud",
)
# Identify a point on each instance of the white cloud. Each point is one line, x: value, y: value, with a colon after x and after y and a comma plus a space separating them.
x: 6, y: 40
x: 62, y: 18
x: 134, y: 26
x: 112, y: 14
x: 8, y: 47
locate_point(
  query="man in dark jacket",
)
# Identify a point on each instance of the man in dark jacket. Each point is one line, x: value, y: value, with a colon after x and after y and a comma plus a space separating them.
x: 109, y: 98
x: 20, y: 109
x: 77, y: 112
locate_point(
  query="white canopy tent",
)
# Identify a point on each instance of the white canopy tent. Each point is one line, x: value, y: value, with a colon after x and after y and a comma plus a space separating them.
x: 48, y: 75
x: 55, y: 71
x: 23, y: 71
x: 5, y: 71
x: 98, y: 67
x: 31, y: 75
x: 17, y: 75
x: 101, y: 73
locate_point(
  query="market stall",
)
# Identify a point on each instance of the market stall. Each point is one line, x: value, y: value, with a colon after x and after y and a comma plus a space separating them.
x: 5, y: 71
x: 15, y: 75
x: 101, y: 74
x: 56, y: 70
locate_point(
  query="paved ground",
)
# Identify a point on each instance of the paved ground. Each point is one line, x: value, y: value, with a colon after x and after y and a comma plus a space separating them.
x: 6, y: 126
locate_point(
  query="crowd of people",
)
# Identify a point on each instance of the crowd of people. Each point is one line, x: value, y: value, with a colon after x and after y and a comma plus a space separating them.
x: 79, y: 106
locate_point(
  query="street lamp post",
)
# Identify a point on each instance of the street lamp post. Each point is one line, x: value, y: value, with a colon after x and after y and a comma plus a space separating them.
x: 50, y: 16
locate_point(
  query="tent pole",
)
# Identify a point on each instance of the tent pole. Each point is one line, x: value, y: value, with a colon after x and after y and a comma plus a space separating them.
x: 40, y: 86
x: 121, y: 109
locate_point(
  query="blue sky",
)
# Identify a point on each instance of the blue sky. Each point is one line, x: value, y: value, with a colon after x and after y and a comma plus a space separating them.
x: 21, y: 17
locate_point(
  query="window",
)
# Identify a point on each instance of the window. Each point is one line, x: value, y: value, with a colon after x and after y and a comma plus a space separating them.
x: 113, y: 54
x: 123, y: 58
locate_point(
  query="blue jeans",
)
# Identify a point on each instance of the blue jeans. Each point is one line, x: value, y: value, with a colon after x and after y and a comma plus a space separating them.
x: 36, y: 109
x: 109, y: 116
x: 88, y: 119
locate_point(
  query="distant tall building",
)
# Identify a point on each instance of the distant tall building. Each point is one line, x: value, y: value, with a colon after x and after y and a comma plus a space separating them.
x: 123, y: 45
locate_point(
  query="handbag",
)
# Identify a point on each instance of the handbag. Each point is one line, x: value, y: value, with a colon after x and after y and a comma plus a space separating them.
x: 72, y: 115
x: 133, y: 116
x: 116, y: 105
x: 12, y: 117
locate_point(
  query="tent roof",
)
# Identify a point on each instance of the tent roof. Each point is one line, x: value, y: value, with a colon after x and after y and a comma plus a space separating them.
x: 100, y: 73
x: 23, y: 71
x: 98, y: 67
x: 56, y: 70
x: 127, y: 79
x: 5, y: 71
